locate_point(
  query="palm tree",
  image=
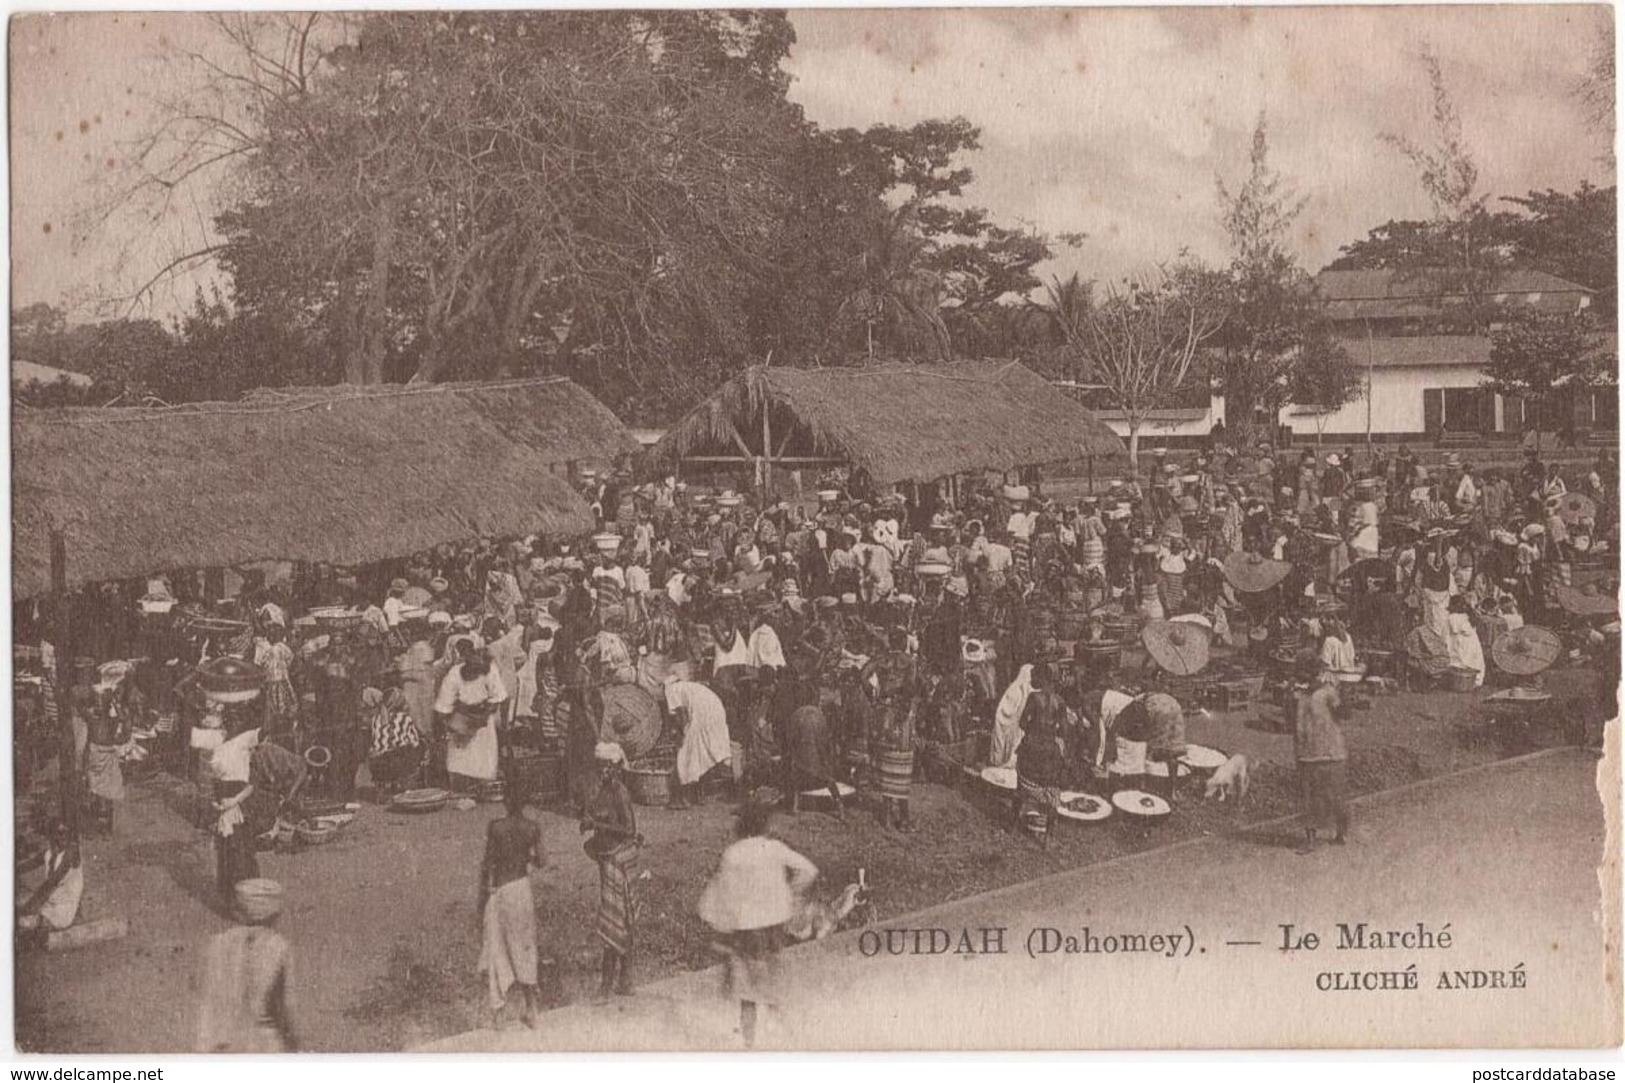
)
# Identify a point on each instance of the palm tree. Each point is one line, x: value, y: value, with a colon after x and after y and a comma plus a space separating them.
x: 1067, y: 306
x: 897, y: 296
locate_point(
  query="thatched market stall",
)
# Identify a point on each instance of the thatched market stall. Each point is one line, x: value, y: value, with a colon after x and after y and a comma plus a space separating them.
x: 899, y: 423
x: 340, y: 475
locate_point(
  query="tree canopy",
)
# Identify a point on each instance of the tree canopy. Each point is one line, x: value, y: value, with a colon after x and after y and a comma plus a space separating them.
x: 628, y: 198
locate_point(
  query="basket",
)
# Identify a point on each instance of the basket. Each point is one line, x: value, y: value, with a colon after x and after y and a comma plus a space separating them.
x: 649, y: 785
x: 1102, y: 654
x: 314, y: 835
x: 1071, y: 624
x: 1458, y: 679
x: 1241, y: 695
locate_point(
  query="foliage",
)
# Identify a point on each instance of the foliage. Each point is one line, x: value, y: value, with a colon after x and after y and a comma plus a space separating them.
x: 1276, y: 325
x: 627, y: 198
x: 1456, y: 243
x: 1323, y: 376
x: 1573, y: 235
x: 1140, y: 339
x: 1534, y: 355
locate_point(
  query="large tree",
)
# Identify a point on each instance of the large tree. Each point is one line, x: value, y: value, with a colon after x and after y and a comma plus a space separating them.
x: 1140, y: 340
x: 1275, y: 323
x: 1573, y: 235
x: 1541, y: 358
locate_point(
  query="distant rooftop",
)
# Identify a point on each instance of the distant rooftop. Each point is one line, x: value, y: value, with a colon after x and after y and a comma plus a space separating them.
x: 1397, y: 294
x: 29, y: 372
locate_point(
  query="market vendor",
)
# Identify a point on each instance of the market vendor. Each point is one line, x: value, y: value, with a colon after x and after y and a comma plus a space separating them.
x: 107, y: 729
x: 1041, y: 759
x: 53, y: 904
x: 470, y: 695
x: 704, y: 723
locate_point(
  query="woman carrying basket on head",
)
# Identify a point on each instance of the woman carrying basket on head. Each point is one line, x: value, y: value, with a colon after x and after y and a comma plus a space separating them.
x: 615, y: 846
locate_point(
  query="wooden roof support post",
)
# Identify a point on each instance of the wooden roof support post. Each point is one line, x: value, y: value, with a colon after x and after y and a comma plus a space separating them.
x: 767, y: 457
x: 62, y: 642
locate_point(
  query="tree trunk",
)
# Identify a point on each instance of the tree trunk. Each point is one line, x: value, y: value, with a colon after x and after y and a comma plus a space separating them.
x: 1134, y: 445
x: 369, y: 367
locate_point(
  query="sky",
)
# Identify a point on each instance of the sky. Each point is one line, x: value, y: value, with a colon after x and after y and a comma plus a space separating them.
x: 1115, y: 123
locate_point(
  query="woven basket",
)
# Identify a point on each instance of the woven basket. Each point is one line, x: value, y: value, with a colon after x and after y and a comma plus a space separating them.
x: 649, y: 785
x: 1461, y: 680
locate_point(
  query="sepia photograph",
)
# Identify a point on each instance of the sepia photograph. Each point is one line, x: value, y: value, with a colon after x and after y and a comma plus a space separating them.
x: 812, y: 530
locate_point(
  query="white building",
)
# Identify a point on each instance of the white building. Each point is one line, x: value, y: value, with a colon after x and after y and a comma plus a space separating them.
x: 1420, y: 381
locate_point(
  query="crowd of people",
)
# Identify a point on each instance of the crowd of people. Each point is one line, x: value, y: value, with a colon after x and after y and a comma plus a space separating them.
x: 825, y: 641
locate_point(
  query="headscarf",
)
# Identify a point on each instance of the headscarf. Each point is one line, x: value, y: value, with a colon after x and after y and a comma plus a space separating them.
x: 609, y: 752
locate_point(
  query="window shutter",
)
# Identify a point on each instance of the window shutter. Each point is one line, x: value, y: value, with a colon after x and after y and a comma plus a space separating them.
x: 1432, y: 410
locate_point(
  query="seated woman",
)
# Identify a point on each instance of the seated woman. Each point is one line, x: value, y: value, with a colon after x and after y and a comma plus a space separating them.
x: 1466, y: 650
x: 1337, y: 648
x: 53, y: 904
x: 1041, y: 763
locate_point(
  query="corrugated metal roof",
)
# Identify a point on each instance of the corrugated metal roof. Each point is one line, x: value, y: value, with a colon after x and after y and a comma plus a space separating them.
x: 1402, y: 294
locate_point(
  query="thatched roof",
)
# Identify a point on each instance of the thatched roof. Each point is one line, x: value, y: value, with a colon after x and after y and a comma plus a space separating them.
x: 899, y: 422
x: 343, y: 475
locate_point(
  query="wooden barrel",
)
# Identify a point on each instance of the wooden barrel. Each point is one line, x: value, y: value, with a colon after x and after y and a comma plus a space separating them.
x: 1101, y: 656
x: 1071, y: 624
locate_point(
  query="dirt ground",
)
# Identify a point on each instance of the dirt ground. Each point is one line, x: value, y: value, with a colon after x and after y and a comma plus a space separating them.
x: 383, y: 922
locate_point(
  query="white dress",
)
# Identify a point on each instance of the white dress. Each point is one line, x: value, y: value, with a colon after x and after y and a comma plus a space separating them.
x: 1466, y: 651
x: 705, y: 739
x: 476, y: 755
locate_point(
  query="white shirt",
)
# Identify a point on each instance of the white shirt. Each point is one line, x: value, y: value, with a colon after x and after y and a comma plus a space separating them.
x: 1466, y: 492
x: 765, y: 649
x: 885, y: 533
x: 392, y: 610
x: 755, y: 886
x: 676, y: 589
x: 734, y: 653
x: 455, y: 691
x: 637, y: 579
x: 999, y: 557
x: 1021, y: 524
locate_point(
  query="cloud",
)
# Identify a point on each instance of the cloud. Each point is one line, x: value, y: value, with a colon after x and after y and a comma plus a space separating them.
x: 1112, y: 121
x: 1117, y: 121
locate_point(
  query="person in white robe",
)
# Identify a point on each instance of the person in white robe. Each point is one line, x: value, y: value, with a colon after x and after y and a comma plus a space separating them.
x: 1466, y: 649
x: 705, y: 735
x: 1007, y: 720
x: 471, y: 695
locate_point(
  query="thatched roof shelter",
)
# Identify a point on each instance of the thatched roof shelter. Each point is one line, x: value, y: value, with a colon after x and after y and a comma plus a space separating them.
x: 898, y: 422
x: 343, y: 475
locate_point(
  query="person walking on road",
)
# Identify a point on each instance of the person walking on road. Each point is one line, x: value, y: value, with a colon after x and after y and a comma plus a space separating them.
x: 1322, y: 764
x: 508, y: 951
x: 756, y: 889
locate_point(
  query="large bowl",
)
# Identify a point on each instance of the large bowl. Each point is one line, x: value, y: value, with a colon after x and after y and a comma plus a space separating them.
x: 1138, y: 803
x: 420, y: 801
x: 1098, y: 811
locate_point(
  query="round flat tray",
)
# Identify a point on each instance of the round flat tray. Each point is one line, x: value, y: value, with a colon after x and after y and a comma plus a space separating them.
x: 420, y: 801
x: 1100, y: 808
x: 823, y: 791
x: 1203, y: 758
x: 1147, y: 806
x: 1002, y: 777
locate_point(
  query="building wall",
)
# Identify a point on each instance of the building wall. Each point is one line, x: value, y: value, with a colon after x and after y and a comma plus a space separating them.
x: 1182, y: 429
x: 1396, y: 401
